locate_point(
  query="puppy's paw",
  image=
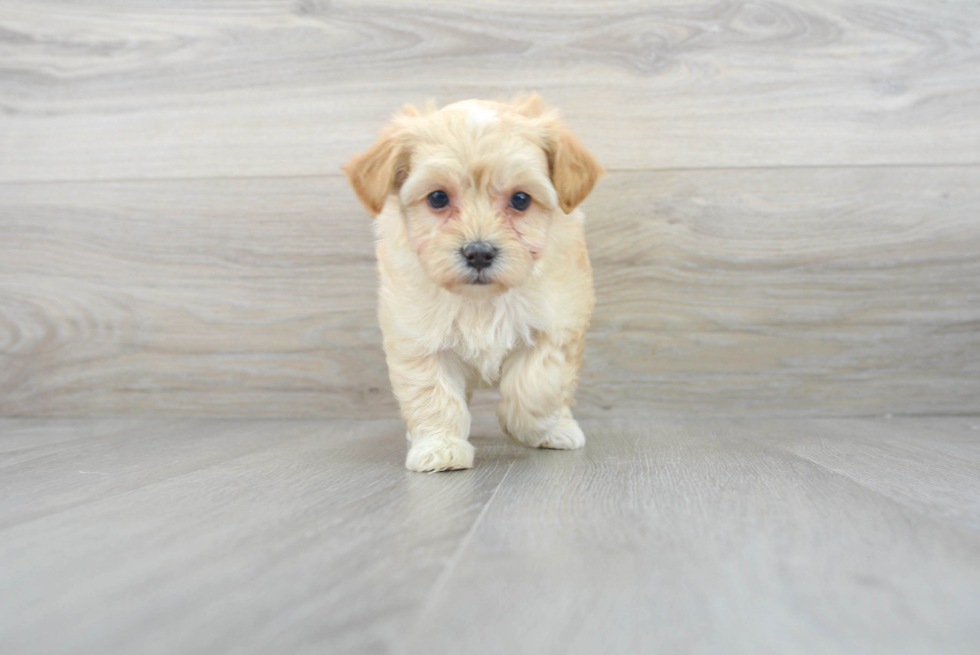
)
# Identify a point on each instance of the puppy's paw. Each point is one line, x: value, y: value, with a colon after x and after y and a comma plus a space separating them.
x: 564, y: 435
x: 439, y: 454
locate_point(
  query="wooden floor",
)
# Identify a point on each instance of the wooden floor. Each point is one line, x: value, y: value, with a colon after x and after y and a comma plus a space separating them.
x: 789, y: 227
x: 753, y: 536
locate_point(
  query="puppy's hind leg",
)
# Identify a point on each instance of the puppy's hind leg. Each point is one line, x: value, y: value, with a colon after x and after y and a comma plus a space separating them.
x: 431, y: 392
x: 537, y: 385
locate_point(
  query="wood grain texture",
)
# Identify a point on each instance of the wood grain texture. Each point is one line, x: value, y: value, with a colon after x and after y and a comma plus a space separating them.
x: 845, y: 291
x: 670, y: 536
x: 927, y: 464
x: 175, y: 238
x: 34, y: 438
x: 198, y: 536
x: 699, y: 537
x: 100, y: 90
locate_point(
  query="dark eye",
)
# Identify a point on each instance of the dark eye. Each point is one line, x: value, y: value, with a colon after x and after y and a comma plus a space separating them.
x: 520, y: 201
x: 438, y: 199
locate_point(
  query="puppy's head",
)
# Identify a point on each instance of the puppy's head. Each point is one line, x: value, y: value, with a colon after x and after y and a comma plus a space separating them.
x: 478, y: 184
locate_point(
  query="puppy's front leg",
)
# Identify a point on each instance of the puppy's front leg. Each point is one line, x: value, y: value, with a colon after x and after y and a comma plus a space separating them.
x: 431, y: 391
x: 537, y: 384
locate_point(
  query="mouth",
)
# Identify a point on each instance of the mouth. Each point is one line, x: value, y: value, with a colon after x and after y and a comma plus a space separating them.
x: 479, y: 280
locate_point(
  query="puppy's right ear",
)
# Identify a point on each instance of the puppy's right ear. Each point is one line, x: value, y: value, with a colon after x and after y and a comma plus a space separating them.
x: 375, y: 173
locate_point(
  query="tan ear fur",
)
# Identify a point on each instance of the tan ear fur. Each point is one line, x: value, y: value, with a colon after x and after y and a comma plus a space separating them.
x: 381, y: 168
x: 574, y: 171
x: 372, y: 173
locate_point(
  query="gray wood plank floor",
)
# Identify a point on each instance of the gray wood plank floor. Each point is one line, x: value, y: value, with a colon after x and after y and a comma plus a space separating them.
x: 663, y: 535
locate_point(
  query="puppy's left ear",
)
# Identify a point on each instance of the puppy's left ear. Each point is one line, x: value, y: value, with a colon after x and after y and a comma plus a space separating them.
x: 574, y: 171
x: 376, y: 172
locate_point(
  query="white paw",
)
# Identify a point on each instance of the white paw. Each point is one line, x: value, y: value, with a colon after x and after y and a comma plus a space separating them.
x: 564, y: 435
x: 439, y: 454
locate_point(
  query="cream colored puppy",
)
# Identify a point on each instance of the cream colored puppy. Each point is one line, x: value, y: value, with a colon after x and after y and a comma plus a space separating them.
x: 485, y: 279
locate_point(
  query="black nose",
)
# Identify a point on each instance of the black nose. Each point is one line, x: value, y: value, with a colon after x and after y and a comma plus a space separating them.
x: 479, y: 254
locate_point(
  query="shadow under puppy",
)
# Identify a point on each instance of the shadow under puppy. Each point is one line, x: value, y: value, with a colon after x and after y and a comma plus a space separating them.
x: 485, y: 279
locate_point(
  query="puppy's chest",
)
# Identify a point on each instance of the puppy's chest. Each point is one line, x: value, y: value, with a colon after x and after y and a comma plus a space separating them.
x: 483, y: 334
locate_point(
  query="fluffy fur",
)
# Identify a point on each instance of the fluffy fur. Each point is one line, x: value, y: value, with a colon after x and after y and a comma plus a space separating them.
x: 520, y: 324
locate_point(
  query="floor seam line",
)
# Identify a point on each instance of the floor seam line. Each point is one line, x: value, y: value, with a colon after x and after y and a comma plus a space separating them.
x: 141, y: 488
x: 956, y: 524
x: 450, y: 567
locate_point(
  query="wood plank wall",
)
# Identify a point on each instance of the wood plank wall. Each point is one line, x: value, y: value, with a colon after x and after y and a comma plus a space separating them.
x: 790, y: 226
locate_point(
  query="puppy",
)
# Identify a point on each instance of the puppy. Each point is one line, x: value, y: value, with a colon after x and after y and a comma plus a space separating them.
x: 485, y: 279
